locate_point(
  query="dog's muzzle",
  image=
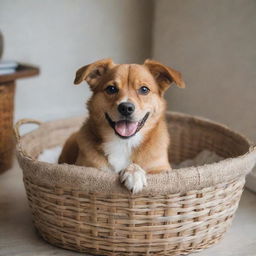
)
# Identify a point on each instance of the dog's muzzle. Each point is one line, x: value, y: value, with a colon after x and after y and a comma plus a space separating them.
x: 125, y: 128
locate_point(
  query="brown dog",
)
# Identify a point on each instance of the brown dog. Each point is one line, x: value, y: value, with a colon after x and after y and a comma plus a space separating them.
x: 126, y: 130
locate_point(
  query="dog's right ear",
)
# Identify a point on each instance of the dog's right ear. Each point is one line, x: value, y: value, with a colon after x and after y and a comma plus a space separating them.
x: 92, y: 72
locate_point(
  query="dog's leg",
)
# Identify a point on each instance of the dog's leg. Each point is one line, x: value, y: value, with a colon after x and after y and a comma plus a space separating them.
x: 134, y: 178
x: 70, y: 151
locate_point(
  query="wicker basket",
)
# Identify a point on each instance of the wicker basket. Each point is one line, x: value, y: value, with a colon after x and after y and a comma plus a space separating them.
x: 6, y: 118
x: 180, y: 211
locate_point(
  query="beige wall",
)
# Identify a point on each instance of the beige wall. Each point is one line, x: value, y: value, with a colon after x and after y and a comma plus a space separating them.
x: 213, y: 43
x: 62, y: 35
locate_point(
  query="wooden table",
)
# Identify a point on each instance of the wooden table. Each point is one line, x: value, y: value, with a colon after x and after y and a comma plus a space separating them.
x: 7, y: 92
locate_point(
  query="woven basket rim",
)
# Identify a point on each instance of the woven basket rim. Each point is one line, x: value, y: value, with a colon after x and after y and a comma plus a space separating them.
x: 182, y: 180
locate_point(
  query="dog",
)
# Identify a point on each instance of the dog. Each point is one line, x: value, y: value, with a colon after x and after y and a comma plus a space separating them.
x: 126, y: 131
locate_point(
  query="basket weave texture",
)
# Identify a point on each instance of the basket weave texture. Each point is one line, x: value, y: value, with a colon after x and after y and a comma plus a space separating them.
x: 6, y: 118
x: 180, y: 211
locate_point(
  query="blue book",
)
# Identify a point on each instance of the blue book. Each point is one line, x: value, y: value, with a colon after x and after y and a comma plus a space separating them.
x: 8, y: 64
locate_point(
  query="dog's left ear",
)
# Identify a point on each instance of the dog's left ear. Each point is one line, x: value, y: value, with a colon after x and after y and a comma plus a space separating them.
x: 93, y: 72
x: 164, y: 75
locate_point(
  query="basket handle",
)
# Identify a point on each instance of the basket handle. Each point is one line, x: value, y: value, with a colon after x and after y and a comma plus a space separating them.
x: 20, y: 123
x: 252, y: 147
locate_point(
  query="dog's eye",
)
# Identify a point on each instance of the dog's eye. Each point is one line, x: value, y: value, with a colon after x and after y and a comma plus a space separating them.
x: 111, y: 89
x: 144, y: 90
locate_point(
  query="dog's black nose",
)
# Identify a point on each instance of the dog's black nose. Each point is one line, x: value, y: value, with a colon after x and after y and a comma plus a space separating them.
x: 126, y: 108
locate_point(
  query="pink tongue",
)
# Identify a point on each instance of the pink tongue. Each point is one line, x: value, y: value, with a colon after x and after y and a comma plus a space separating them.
x: 125, y: 128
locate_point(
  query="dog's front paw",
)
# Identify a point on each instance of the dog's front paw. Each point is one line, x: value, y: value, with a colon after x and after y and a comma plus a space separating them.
x: 134, y: 178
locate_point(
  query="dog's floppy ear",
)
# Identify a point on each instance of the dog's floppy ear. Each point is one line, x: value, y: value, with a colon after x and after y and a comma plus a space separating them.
x: 164, y: 75
x: 92, y: 72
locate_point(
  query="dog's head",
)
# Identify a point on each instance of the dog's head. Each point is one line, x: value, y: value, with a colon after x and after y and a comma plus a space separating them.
x: 127, y: 97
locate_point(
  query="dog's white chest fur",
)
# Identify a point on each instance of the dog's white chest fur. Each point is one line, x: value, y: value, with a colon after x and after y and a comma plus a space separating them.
x: 119, y: 151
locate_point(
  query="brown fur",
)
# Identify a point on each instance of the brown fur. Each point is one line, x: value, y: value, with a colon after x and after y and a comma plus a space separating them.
x: 86, y: 146
x: 70, y: 150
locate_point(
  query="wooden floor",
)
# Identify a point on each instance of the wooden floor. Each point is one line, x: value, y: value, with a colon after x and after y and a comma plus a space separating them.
x: 18, y: 237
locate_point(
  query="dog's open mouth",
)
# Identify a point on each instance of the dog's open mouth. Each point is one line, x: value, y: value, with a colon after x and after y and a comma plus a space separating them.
x: 125, y: 128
